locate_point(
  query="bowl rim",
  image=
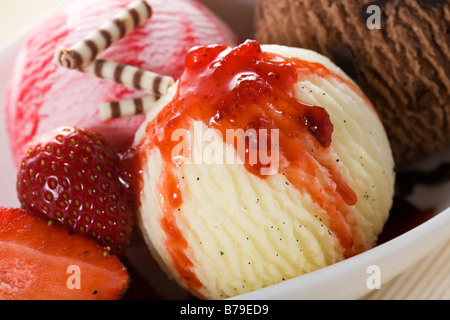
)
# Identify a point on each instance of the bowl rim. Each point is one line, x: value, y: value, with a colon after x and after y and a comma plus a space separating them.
x: 391, y: 255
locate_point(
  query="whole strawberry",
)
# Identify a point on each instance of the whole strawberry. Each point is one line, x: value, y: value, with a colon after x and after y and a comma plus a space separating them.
x: 73, y: 176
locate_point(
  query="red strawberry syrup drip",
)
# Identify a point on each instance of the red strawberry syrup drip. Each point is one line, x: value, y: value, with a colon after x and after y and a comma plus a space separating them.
x: 242, y: 88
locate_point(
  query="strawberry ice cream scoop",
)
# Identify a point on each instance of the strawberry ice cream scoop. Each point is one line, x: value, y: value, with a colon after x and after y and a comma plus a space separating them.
x: 42, y: 96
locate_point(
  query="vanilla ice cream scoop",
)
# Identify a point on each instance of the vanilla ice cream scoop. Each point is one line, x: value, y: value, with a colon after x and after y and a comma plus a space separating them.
x: 261, y: 164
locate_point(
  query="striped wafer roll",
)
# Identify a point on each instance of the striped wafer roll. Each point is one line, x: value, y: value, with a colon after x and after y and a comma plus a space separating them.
x: 85, y: 51
x: 124, y: 108
x: 130, y: 76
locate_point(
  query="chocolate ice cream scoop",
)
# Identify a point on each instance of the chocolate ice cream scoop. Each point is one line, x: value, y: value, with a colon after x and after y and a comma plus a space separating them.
x: 402, y: 64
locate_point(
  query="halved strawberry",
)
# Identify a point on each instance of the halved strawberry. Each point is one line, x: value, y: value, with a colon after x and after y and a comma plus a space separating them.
x: 72, y: 175
x: 42, y: 261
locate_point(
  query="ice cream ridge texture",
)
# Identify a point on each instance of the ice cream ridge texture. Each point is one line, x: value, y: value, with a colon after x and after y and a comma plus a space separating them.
x: 42, y: 96
x: 222, y: 221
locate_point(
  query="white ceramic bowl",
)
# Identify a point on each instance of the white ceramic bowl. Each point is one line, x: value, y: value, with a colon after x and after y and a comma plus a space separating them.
x: 344, y: 280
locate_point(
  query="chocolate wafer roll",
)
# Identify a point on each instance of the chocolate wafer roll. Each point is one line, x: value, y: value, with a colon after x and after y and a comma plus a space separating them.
x: 85, y: 51
x: 130, y: 76
x: 124, y: 108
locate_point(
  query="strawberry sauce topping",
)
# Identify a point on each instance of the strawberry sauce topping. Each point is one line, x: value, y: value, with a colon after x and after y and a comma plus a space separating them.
x: 242, y: 88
